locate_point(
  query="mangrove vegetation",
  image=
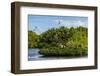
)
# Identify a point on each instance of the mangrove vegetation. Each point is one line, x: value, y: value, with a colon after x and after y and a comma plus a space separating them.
x: 62, y: 41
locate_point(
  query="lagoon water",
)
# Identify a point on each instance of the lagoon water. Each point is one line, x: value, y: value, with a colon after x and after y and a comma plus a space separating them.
x: 33, y: 54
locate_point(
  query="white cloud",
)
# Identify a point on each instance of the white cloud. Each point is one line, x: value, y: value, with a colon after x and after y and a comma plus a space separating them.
x: 70, y: 23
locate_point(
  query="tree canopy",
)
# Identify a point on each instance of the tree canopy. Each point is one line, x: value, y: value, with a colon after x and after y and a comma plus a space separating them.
x: 62, y: 38
x: 33, y: 39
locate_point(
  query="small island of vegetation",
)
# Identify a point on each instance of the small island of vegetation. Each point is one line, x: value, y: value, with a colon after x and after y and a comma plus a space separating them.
x: 62, y: 41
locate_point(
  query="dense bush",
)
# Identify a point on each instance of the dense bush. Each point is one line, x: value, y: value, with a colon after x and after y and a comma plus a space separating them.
x: 61, y: 41
x: 55, y: 51
x: 33, y: 39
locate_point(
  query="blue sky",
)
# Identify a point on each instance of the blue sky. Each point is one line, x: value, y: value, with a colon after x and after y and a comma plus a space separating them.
x: 40, y: 24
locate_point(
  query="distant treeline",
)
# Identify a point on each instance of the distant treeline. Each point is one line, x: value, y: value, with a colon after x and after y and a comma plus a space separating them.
x: 62, y: 41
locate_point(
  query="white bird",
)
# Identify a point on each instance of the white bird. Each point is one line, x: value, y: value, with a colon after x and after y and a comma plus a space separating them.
x: 36, y: 29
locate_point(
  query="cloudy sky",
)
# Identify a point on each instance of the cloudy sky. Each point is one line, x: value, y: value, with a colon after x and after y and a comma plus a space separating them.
x: 41, y: 23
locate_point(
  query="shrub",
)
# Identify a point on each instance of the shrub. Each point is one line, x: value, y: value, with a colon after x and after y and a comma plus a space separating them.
x: 55, y: 51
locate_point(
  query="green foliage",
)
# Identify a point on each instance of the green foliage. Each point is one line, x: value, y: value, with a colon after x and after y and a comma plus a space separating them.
x: 55, y: 37
x: 56, y: 51
x: 33, y: 39
x: 61, y: 41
